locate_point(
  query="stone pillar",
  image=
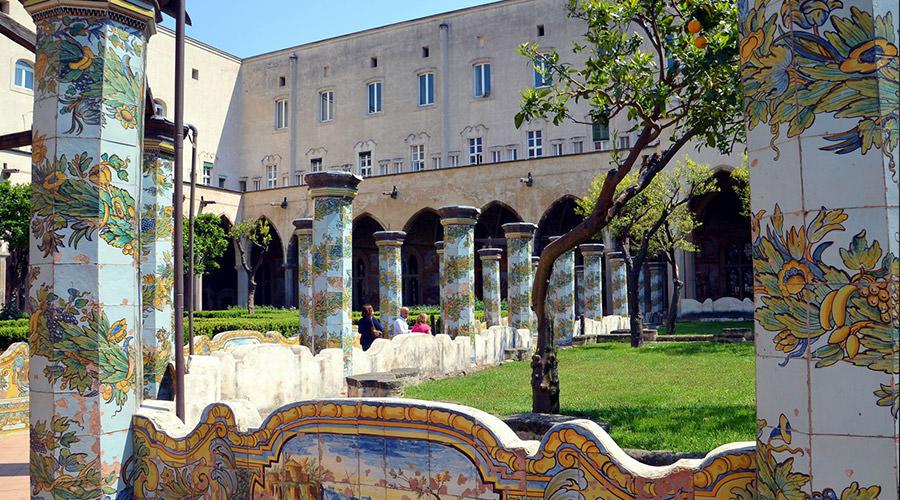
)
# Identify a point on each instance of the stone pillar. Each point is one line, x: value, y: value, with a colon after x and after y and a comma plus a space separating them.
x: 198, y: 293
x: 459, y: 268
x: 85, y: 368
x: 390, y: 275
x: 519, y: 275
x: 579, y: 290
x: 439, y: 249
x: 561, y: 297
x: 490, y: 284
x: 157, y: 257
x: 303, y: 229
x: 618, y: 283
x: 823, y: 154
x: 593, y: 279
x: 332, y: 194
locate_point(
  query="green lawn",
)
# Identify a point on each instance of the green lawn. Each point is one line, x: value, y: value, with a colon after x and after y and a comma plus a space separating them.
x: 704, y: 327
x: 687, y: 397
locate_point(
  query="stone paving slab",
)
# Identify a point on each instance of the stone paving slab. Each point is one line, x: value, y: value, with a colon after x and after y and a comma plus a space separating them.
x: 14, y: 466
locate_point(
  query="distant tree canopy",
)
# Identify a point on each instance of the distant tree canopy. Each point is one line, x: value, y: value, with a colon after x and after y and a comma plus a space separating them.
x: 210, y: 243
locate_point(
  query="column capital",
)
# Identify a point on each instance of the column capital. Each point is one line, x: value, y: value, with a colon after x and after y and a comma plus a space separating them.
x: 389, y: 238
x: 616, y: 255
x: 341, y: 184
x: 490, y: 253
x: 535, y: 259
x: 439, y: 247
x: 459, y: 214
x: 138, y: 14
x: 303, y: 226
x: 588, y: 249
x: 519, y: 229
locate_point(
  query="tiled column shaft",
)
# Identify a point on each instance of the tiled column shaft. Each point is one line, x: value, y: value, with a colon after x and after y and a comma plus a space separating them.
x: 821, y: 107
x: 579, y: 290
x: 519, y: 275
x: 439, y: 248
x: 619, y: 284
x: 658, y: 275
x: 157, y: 277
x: 490, y: 284
x: 303, y: 229
x: 561, y: 297
x: 459, y: 268
x: 85, y: 368
x: 390, y: 274
x: 332, y: 248
x: 535, y: 260
x: 593, y: 279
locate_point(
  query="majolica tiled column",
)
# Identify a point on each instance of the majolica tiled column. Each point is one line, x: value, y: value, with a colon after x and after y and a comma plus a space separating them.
x: 593, y: 279
x: 303, y: 229
x: 535, y: 260
x: 157, y: 277
x: 657, y: 303
x: 561, y: 297
x: 439, y: 249
x: 618, y: 283
x: 519, y: 274
x: 490, y: 284
x: 459, y: 268
x: 85, y: 369
x: 332, y: 250
x: 390, y: 274
x: 579, y: 290
x: 821, y: 96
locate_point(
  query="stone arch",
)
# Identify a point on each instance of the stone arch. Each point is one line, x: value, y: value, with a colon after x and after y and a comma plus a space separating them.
x: 420, y: 260
x: 559, y: 218
x: 365, y: 260
x: 270, y: 290
x: 723, y: 266
x: 220, y: 285
x: 489, y: 233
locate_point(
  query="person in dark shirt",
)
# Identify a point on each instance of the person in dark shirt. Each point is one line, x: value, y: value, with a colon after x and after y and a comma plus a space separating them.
x: 369, y: 327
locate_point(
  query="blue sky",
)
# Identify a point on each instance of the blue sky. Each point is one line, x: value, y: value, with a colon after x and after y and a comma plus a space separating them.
x: 276, y: 24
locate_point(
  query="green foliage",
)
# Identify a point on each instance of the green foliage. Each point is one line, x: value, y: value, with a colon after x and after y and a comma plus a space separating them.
x: 210, y: 243
x: 640, y: 62
x: 740, y: 178
x: 664, y: 199
x: 15, y: 209
x: 676, y: 381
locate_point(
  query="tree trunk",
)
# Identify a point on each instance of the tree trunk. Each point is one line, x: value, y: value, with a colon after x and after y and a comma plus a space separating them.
x: 677, y: 285
x: 636, y: 319
x: 18, y: 264
x: 251, y: 293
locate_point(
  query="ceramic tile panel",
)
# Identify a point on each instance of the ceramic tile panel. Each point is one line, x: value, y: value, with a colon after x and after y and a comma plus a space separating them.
x: 490, y: 283
x: 442, y: 290
x: 618, y: 281
x: 519, y: 273
x: 561, y: 297
x: 390, y: 274
x: 459, y: 269
x: 303, y: 231
x: 593, y: 280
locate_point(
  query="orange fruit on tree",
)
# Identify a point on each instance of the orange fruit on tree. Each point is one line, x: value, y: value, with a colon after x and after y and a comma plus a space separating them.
x: 694, y: 26
x: 701, y: 42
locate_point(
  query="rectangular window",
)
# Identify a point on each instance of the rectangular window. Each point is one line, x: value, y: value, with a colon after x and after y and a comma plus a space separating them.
x: 221, y: 182
x: 315, y: 165
x: 298, y: 179
x: 482, y: 80
x: 365, y: 163
x: 426, y: 89
x: 558, y: 149
x: 398, y: 167
x: 453, y: 160
x: 374, y: 98
x: 24, y: 75
x: 242, y: 185
x: 256, y: 184
x: 578, y: 147
x: 384, y: 167
x: 207, y: 173
x: 271, y: 176
x: 495, y: 156
x: 281, y: 114
x: 542, y: 77
x: 326, y: 106
x: 436, y: 162
x: 475, y: 150
x: 625, y: 142
x: 600, y: 131
x: 512, y: 154
x: 417, y: 157
x: 535, y: 144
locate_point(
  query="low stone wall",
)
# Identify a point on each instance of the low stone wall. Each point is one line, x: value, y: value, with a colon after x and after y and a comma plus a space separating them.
x: 396, y: 448
x: 269, y: 375
x: 719, y: 309
x: 14, y: 388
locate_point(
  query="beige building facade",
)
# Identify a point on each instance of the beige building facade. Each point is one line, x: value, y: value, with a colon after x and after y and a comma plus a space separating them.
x: 424, y: 110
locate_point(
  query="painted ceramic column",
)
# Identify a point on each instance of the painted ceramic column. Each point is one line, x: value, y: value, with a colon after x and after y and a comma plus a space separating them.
x: 332, y: 194
x: 157, y: 277
x: 593, y: 279
x: 561, y: 297
x: 439, y: 249
x: 519, y: 275
x: 85, y: 368
x: 390, y: 275
x: 618, y: 283
x: 579, y: 290
x: 303, y: 229
x: 459, y: 268
x: 823, y: 152
x: 535, y: 260
x: 657, y: 303
x: 490, y: 284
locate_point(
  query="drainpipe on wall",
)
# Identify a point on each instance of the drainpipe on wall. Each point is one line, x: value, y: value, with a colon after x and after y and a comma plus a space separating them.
x: 445, y: 94
x: 292, y: 118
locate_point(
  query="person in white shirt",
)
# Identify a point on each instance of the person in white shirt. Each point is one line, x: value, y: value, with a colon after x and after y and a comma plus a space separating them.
x: 400, y: 325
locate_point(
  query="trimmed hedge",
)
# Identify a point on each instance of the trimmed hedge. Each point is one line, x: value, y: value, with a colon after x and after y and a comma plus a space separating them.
x: 12, y: 334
